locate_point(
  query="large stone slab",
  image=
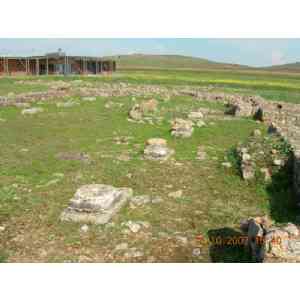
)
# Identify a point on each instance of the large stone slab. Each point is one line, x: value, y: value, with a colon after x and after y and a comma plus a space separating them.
x: 156, y: 149
x: 96, y: 203
x: 182, y: 128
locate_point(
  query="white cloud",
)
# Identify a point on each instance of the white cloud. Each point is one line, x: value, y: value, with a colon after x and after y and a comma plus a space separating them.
x: 277, y: 57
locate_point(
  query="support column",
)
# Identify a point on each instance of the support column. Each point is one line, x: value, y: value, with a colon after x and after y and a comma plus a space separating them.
x: 47, y: 66
x: 37, y: 67
x: 7, y: 67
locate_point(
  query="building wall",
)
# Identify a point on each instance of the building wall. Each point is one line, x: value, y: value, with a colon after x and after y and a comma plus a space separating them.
x: 55, y: 66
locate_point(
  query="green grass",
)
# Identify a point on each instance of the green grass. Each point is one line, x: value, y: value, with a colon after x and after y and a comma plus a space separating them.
x: 33, y: 191
x: 10, y: 85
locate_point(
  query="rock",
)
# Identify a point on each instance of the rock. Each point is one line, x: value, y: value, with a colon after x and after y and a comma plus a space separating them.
x: 256, y: 133
x: 246, y: 156
x: 274, y: 151
x: 136, y: 226
x: 84, y: 228
x: 22, y: 105
x: 265, y: 172
x: 32, y: 111
x: 200, y: 123
x: 248, y: 171
x: 124, y: 157
x: 149, y: 106
x: 136, y: 113
x: 156, y: 141
x: 182, y: 128
x: 121, y: 247
x: 176, y: 194
x: 275, y: 243
x: 196, y: 252
x: 96, y: 203
x: 277, y: 162
x: 133, y: 253
x: 156, y: 200
x: 66, y: 104
x: 133, y: 226
x: 241, y: 109
x: 2, y: 228
x: 291, y: 229
x: 140, y: 200
x: 89, y: 99
x: 201, y: 154
x: 157, y: 149
x: 182, y: 239
x: 195, y: 115
x: 74, y: 156
x: 226, y: 164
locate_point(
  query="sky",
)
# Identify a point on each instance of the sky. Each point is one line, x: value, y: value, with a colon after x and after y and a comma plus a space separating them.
x: 252, y: 52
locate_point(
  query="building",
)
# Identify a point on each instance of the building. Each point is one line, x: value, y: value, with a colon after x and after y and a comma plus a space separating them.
x: 57, y: 63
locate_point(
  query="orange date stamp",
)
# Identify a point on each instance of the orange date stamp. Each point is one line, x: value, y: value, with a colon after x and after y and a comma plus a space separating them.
x: 233, y: 240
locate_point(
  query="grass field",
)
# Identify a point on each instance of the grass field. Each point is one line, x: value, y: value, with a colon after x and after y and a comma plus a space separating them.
x: 35, y: 186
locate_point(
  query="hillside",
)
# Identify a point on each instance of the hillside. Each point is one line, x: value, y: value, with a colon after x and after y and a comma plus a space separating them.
x: 293, y: 67
x: 139, y: 61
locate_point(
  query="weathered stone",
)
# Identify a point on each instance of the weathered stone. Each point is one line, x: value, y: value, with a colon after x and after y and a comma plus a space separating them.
x: 240, y: 109
x: 133, y: 253
x: 200, y: 123
x: 96, y: 203
x: 195, y: 115
x: 265, y: 172
x: 256, y: 133
x: 121, y: 247
x: 291, y: 229
x: 66, y: 104
x: 277, y: 162
x: 201, y: 154
x: 89, y: 99
x: 182, y: 128
x: 226, y: 164
x: 176, y: 194
x: 135, y: 113
x: 196, y: 252
x: 138, y: 111
x: 156, y: 141
x: 32, y: 111
x: 133, y: 226
x: 149, y: 106
x: 74, y: 156
x: 182, y: 239
x: 157, y: 149
x: 248, y: 171
x: 22, y: 105
x: 84, y: 228
x: 246, y: 156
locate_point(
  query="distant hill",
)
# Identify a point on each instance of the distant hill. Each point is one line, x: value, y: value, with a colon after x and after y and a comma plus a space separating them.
x: 153, y: 61
x: 150, y: 61
x: 293, y: 67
